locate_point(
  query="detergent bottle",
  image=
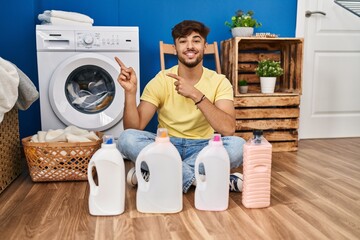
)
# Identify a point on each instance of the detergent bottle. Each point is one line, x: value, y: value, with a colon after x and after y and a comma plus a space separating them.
x: 212, y: 190
x: 108, y: 197
x: 257, y: 172
x: 162, y: 193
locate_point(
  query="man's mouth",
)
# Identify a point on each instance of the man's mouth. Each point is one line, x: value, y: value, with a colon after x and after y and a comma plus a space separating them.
x: 190, y: 54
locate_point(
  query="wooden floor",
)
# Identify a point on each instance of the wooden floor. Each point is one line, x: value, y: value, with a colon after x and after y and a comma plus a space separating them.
x: 315, y: 195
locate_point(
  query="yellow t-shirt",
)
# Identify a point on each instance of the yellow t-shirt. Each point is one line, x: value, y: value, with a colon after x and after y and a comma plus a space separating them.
x: 179, y: 114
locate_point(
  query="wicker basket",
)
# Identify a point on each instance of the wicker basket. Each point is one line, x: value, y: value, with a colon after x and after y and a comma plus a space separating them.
x: 11, y: 164
x: 59, y: 161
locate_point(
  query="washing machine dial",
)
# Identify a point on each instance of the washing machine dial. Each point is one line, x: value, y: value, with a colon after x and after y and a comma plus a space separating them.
x: 88, y: 39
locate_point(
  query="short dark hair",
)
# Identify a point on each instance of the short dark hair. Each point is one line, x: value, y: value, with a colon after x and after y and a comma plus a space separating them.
x: 186, y: 27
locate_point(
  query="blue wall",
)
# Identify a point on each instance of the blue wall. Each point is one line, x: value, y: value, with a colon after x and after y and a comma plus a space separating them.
x: 154, y: 18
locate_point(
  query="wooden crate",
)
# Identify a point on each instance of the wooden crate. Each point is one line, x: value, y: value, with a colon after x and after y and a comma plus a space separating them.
x: 276, y: 114
x: 240, y: 56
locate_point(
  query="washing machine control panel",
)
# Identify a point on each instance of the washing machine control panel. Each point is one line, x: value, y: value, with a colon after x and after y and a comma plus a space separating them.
x: 91, y: 40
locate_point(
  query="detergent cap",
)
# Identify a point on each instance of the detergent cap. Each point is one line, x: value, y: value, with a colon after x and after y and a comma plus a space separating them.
x: 257, y: 135
x: 108, y: 139
x: 162, y: 135
x: 216, y: 140
x: 217, y: 137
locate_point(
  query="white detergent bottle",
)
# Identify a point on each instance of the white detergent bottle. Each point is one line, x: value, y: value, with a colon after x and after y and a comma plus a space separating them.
x: 162, y: 193
x: 212, y: 190
x: 108, y: 197
x: 257, y: 172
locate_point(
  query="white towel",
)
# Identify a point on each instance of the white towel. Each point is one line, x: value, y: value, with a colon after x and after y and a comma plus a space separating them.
x: 74, y: 16
x: 9, y: 82
x: 71, y: 138
x: 56, y: 17
x: 27, y: 93
x: 69, y: 134
x: 55, y: 136
x: 75, y: 130
x: 65, y: 22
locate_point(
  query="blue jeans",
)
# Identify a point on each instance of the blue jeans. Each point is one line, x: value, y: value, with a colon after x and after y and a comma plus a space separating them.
x: 132, y: 141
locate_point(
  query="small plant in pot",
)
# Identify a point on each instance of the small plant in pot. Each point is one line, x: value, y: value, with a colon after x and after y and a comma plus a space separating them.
x: 268, y: 71
x: 243, y: 24
x: 243, y: 86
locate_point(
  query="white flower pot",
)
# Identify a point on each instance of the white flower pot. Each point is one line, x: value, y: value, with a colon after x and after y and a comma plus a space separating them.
x: 267, y: 84
x: 244, y: 89
x: 242, y: 31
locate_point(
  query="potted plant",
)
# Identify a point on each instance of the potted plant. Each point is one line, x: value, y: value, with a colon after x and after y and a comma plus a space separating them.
x: 243, y: 86
x: 243, y: 24
x: 268, y: 70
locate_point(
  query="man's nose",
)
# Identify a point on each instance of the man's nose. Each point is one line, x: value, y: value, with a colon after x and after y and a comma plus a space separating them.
x: 189, y: 45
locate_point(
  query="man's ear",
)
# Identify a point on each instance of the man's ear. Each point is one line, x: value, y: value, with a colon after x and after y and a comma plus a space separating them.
x: 175, y: 53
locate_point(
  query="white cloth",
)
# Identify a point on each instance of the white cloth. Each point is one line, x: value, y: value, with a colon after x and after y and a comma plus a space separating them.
x: 27, y: 93
x: 9, y: 82
x: 73, y: 16
x: 56, y: 17
x: 70, y: 134
x: 65, y: 22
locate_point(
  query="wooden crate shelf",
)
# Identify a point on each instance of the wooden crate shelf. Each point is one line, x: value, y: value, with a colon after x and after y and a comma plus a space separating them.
x: 240, y: 56
x: 276, y: 114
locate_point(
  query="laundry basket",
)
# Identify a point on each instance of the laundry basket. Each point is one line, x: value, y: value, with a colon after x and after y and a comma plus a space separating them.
x: 59, y: 161
x: 10, y: 150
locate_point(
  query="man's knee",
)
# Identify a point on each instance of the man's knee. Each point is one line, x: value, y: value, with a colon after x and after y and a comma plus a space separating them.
x: 126, y: 139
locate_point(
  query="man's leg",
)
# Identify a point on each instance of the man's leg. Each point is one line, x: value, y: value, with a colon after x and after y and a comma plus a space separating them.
x: 132, y: 141
x: 189, y: 150
x: 234, y: 147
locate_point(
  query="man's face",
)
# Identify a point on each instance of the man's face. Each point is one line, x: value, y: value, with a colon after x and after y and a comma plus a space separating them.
x: 190, y: 49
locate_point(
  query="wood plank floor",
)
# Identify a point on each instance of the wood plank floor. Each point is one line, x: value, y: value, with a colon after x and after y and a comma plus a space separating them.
x: 315, y: 195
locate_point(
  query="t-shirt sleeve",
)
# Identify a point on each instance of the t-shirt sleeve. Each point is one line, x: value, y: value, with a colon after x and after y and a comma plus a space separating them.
x: 225, y: 90
x: 153, y: 91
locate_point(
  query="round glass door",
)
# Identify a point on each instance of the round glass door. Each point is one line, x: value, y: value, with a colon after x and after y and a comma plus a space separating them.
x: 90, y: 89
x: 83, y: 92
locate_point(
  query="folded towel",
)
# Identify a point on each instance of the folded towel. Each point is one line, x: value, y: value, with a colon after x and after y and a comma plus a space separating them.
x: 71, y: 138
x: 65, y: 22
x: 74, y: 16
x: 52, y: 135
x: 41, y: 136
x: 27, y: 93
x: 75, y: 130
x: 56, y: 17
x: 70, y: 134
x: 9, y: 82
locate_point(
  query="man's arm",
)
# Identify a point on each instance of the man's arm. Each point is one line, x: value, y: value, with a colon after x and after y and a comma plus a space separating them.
x: 220, y: 116
x: 136, y: 117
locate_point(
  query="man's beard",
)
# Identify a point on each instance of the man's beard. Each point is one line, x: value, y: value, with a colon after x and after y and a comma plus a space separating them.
x: 192, y: 64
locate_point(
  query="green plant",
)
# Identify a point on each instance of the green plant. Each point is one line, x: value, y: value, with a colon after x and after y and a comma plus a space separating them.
x: 243, y: 82
x: 269, y: 68
x: 243, y: 20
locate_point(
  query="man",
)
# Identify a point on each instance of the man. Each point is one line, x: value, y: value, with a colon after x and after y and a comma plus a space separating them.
x: 191, y: 101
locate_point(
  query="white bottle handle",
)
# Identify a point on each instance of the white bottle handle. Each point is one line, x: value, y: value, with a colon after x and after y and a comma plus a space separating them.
x: 200, y: 183
x: 142, y: 184
x: 94, y: 189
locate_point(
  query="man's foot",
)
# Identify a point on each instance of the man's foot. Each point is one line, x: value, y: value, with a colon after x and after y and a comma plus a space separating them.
x: 236, y: 182
x: 131, y: 177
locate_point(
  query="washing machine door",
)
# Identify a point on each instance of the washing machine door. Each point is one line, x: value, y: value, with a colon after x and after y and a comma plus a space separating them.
x: 84, y: 92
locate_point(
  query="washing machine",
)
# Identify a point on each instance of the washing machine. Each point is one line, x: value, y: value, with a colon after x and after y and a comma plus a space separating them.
x: 78, y: 75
